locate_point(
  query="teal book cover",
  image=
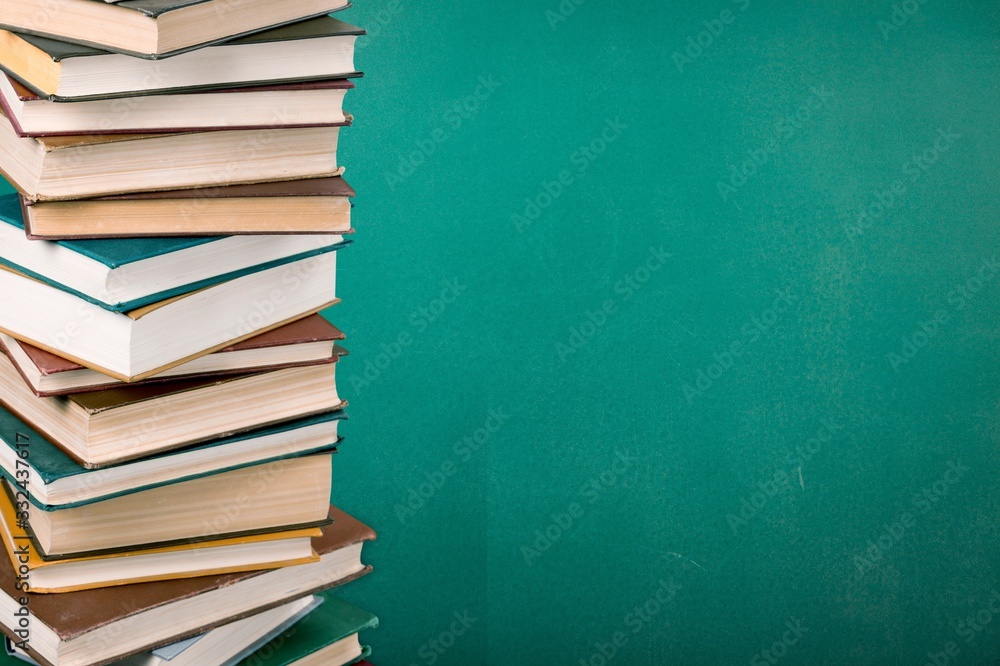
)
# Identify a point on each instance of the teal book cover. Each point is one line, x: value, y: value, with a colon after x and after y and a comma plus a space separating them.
x: 333, y: 621
x: 121, y: 252
x: 27, y: 448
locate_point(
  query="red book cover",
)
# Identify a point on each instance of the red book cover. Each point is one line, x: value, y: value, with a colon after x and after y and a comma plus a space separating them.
x: 310, y: 329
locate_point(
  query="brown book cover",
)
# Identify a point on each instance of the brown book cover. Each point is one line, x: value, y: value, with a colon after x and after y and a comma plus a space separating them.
x: 77, y: 422
x: 310, y: 329
x: 27, y: 95
x: 74, y: 614
x: 132, y: 394
x: 309, y: 188
x: 334, y: 186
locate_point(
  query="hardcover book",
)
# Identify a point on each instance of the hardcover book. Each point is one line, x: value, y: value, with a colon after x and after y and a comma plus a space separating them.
x: 224, y: 646
x: 116, y: 425
x: 308, y: 104
x: 204, y: 558
x: 58, y: 168
x: 150, y: 340
x: 156, y: 28
x: 56, y: 481
x: 309, y: 206
x: 229, y: 644
x: 286, y: 494
x: 328, y: 636
x: 129, y: 273
x: 308, y: 341
x: 314, y: 50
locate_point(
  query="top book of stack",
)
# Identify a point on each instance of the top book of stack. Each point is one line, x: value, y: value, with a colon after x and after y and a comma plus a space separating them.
x: 58, y: 70
x: 155, y: 29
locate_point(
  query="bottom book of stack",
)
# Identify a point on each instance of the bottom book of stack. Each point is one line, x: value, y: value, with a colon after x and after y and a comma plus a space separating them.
x: 279, y: 617
x: 316, y: 630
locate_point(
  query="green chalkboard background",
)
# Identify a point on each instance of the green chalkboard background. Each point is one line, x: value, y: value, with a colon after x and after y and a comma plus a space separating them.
x: 674, y: 331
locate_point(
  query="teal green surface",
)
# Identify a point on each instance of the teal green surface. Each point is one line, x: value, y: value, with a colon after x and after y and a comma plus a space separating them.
x: 720, y: 508
x: 673, y: 512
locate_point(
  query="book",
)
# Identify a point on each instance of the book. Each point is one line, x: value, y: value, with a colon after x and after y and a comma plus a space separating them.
x: 55, y: 481
x: 307, y: 104
x: 270, y: 497
x: 313, y: 50
x: 308, y: 341
x: 229, y: 644
x: 327, y: 637
x: 56, y: 168
x: 93, y: 627
x: 224, y: 646
x: 14, y: 657
x: 228, y: 555
x: 116, y: 425
x: 129, y: 273
x: 309, y: 206
x: 156, y: 28
x: 150, y: 340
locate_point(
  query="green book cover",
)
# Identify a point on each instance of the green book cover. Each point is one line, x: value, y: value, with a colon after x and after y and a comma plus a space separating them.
x: 119, y: 253
x: 333, y: 621
x: 48, y: 463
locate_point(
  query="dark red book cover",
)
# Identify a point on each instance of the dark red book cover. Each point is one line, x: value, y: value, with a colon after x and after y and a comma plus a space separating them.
x: 310, y: 329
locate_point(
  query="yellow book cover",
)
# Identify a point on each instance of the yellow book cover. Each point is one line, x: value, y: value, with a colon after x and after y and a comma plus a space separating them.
x: 204, y: 558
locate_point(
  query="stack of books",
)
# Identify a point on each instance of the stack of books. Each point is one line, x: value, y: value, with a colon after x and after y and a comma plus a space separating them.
x: 168, y: 410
